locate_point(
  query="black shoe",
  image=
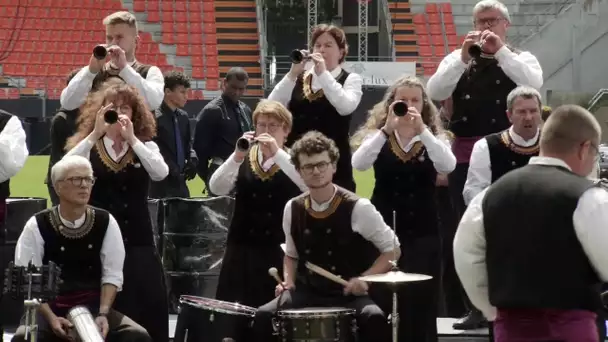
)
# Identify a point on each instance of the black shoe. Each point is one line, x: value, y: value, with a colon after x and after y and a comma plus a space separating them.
x: 473, y: 320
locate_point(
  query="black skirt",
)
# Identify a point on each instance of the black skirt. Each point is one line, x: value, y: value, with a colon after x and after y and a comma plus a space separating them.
x: 244, y: 276
x: 144, y: 296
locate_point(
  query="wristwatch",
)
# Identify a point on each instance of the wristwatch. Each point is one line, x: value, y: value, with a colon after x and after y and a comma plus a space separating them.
x: 102, y: 314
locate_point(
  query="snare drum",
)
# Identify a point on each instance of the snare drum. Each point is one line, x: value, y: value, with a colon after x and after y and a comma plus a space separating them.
x: 209, y: 320
x: 317, y: 324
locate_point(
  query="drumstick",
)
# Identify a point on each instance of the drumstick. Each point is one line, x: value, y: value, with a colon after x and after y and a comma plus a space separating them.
x: 324, y: 273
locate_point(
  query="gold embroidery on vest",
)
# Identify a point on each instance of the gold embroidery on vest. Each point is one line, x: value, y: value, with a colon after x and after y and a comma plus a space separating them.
x: 109, y: 162
x: 333, y: 206
x: 416, y: 150
x: 307, y: 87
x: 73, y: 233
x: 257, y: 169
x: 506, y: 139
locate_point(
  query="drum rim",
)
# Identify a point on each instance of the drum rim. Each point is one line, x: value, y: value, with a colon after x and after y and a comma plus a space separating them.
x: 309, y: 313
x: 239, y: 309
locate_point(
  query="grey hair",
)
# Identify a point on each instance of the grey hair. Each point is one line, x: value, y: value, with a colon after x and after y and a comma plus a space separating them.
x: 68, y: 163
x: 526, y: 93
x: 485, y: 5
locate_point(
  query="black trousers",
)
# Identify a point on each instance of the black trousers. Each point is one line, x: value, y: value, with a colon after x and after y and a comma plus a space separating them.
x: 122, y: 329
x: 371, y: 320
x: 144, y: 296
x: 456, y: 298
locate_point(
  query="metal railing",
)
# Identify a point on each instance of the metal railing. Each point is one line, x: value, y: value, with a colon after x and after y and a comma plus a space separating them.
x: 596, y: 99
x: 533, y: 26
x: 389, y: 26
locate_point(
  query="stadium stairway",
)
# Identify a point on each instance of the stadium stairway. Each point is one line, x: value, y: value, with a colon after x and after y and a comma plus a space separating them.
x: 406, y: 43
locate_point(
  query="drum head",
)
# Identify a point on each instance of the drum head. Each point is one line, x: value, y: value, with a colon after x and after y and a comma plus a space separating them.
x: 315, y: 312
x: 217, y: 306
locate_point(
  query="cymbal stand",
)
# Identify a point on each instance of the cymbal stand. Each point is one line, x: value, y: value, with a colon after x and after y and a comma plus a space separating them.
x: 393, y: 286
x: 31, y: 309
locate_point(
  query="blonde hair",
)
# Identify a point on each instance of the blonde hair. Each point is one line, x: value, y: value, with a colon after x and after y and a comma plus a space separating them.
x: 377, y: 115
x: 275, y: 110
x: 568, y: 126
x: 122, y: 17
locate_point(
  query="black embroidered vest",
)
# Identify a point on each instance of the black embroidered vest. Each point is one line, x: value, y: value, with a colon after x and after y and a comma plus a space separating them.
x: 103, y: 75
x: 534, y: 258
x: 75, y: 250
x: 326, y: 239
x: 480, y: 100
x: 312, y: 111
x: 505, y: 155
x: 259, y: 203
x: 405, y: 183
x: 122, y: 189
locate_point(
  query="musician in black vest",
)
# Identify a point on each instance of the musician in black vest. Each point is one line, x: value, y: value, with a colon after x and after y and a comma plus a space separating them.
x: 322, y: 96
x: 263, y: 179
x: 479, y: 87
x: 121, y: 40
x: 407, y: 152
x: 220, y: 124
x: 501, y: 152
x: 13, y: 154
x: 333, y: 228
x: 531, y: 249
x: 174, y: 139
x: 125, y: 159
x: 86, y: 243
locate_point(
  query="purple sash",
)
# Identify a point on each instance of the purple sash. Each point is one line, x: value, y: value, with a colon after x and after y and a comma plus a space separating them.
x: 462, y: 148
x: 545, y: 325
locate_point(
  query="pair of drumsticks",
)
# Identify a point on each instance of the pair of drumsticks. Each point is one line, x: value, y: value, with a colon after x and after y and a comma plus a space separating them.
x: 314, y: 268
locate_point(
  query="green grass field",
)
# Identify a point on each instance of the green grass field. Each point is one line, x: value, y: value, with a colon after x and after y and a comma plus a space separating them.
x: 29, y: 182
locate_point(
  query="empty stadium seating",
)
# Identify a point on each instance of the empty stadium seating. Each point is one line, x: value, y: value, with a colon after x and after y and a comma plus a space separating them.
x: 41, y: 41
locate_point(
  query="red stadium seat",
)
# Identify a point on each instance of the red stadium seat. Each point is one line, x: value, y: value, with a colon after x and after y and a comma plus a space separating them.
x: 431, y: 8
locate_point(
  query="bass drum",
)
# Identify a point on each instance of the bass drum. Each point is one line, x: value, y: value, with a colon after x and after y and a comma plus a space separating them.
x: 18, y: 211
x: 193, y: 242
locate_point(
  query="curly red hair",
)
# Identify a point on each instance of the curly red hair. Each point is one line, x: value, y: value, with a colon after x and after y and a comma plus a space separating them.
x: 144, y: 123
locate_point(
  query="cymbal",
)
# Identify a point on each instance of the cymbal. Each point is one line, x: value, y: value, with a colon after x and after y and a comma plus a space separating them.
x: 395, y: 277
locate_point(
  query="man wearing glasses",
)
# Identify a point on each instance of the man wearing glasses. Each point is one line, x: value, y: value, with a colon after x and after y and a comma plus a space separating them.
x: 531, y: 249
x: 335, y: 229
x: 479, y: 86
x: 86, y: 243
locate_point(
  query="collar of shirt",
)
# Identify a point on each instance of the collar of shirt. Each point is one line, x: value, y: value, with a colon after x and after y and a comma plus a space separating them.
x: 322, y: 206
x: 166, y: 109
x: 518, y: 140
x: 108, y: 143
x: 409, y: 144
x: 315, y: 80
x: 69, y: 224
x: 550, y: 161
x: 267, y: 164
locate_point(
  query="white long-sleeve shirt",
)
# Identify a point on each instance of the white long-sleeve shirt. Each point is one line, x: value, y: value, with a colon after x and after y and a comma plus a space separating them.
x: 590, y: 220
x: 479, y: 175
x: 365, y: 220
x: 438, y: 148
x: 150, y: 88
x: 13, y: 149
x: 148, y: 153
x: 224, y: 178
x: 523, y: 69
x: 344, y: 98
x: 30, y: 247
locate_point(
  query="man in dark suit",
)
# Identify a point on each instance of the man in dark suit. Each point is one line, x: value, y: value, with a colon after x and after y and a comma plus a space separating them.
x: 63, y: 126
x: 174, y: 139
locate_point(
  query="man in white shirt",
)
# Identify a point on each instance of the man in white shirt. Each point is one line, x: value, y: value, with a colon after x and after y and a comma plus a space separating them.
x: 121, y: 40
x: 333, y: 228
x: 86, y: 243
x: 13, y: 154
x: 530, y: 250
x: 478, y: 86
x: 501, y: 152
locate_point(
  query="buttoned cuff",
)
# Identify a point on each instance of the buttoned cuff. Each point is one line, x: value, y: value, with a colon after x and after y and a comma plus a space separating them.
x: 128, y: 73
x: 502, y: 53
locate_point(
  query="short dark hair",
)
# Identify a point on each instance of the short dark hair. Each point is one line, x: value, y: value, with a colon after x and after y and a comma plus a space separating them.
x: 237, y: 72
x: 312, y: 143
x: 173, y: 79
